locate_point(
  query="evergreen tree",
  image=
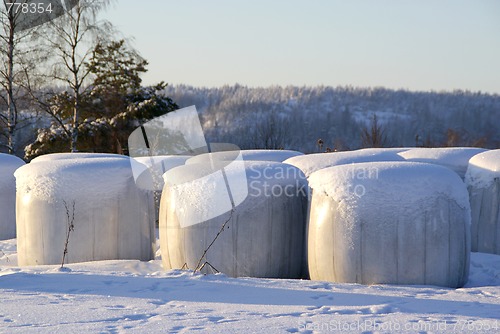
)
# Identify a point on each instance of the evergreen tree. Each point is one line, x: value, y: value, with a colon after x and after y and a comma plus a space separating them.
x: 114, y: 105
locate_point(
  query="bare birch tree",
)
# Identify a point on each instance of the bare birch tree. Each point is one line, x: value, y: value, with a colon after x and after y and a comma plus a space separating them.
x: 72, y: 38
x: 13, y: 67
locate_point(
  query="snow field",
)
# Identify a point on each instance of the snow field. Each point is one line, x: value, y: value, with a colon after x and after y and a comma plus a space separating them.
x: 140, y: 297
x: 129, y: 296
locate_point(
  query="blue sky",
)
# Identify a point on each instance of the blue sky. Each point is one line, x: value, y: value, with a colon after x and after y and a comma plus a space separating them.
x: 416, y: 45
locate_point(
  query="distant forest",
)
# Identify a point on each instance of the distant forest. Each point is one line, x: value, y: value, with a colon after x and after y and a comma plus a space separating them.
x: 297, y: 117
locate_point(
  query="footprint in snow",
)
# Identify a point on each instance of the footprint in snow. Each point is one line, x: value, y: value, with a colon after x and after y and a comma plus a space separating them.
x: 205, y: 310
x: 326, y: 286
x: 159, y: 302
x: 323, y: 296
x: 378, y: 309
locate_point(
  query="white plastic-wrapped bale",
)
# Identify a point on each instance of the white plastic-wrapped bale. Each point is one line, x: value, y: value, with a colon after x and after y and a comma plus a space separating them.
x: 112, y: 217
x: 389, y: 223
x: 454, y: 158
x: 311, y: 163
x: 263, y: 233
x: 8, y: 165
x: 246, y: 155
x: 483, y: 182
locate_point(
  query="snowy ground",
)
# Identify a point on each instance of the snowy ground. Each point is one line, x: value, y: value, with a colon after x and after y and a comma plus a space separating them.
x: 139, y: 297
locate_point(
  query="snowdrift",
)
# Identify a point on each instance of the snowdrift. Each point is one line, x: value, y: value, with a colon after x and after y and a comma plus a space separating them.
x: 262, y: 237
x: 483, y: 183
x: 112, y: 217
x: 389, y: 222
x: 8, y: 165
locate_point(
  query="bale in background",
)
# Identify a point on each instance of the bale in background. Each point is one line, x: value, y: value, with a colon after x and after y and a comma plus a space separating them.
x: 483, y: 183
x: 8, y: 165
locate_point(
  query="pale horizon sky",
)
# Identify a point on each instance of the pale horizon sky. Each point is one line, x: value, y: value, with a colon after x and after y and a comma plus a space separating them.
x: 416, y: 45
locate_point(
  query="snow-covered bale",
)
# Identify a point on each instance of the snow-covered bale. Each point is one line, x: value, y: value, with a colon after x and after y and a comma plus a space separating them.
x: 389, y: 222
x: 246, y: 155
x: 8, y: 165
x: 76, y: 155
x: 113, y: 218
x: 454, y: 158
x: 265, y: 232
x: 311, y: 163
x: 483, y: 182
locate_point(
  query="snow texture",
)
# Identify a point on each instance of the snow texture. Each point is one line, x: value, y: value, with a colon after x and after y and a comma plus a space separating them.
x: 246, y: 155
x: 113, y: 219
x: 483, y: 183
x: 264, y: 236
x: 140, y: 297
x: 313, y: 162
x: 8, y: 165
x: 389, y: 222
x: 454, y: 158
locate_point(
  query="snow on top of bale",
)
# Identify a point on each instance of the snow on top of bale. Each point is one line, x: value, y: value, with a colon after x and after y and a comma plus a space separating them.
x: 270, y: 171
x: 76, y: 155
x: 389, y: 184
x: 247, y: 155
x: 313, y: 162
x: 74, y: 179
x: 483, y: 169
x: 455, y: 158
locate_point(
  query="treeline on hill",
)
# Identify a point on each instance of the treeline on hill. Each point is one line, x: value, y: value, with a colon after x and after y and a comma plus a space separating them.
x: 342, y: 118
